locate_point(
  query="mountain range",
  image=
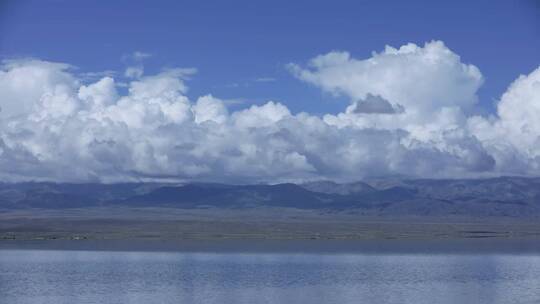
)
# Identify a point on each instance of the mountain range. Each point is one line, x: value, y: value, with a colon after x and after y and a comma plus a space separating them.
x: 502, y: 196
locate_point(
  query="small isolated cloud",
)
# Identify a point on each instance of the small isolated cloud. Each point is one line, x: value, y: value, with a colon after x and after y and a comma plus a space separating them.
x: 135, y: 67
x: 136, y: 56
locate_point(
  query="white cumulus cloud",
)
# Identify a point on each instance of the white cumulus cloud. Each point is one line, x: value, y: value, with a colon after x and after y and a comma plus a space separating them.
x: 513, y: 135
x: 410, y: 114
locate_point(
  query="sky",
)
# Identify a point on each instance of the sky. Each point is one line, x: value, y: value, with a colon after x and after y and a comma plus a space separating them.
x: 268, y: 91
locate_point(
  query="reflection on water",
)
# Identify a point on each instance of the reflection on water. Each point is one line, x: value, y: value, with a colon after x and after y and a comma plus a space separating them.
x: 58, y: 276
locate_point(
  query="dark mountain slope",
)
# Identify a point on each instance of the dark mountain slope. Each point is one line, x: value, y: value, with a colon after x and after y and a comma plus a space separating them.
x: 227, y: 196
x: 504, y: 196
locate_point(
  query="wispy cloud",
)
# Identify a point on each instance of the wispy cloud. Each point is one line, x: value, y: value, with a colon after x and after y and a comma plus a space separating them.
x: 136, y: 56
x: 134, y: 61
x: 265, y: 79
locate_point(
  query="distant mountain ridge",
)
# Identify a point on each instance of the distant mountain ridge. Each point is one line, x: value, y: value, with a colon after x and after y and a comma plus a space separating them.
x: 503, y: 196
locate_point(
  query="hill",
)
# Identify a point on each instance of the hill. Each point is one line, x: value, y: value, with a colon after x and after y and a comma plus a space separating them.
x: 503, y: 196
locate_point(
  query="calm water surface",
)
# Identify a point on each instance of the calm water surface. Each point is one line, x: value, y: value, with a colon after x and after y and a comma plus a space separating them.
x: 289, y: 276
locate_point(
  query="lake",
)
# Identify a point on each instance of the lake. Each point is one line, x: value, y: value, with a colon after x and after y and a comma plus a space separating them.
x: 473, y: 271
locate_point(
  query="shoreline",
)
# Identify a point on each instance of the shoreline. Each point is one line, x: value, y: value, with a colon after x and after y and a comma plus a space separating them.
x: 512, y: 246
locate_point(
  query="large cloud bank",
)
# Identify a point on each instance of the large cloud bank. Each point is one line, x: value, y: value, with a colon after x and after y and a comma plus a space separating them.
x: 411, y: 113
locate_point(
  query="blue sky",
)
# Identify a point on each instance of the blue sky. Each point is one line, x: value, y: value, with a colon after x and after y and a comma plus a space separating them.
x: 233, y: 43
x: 283, y: 90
